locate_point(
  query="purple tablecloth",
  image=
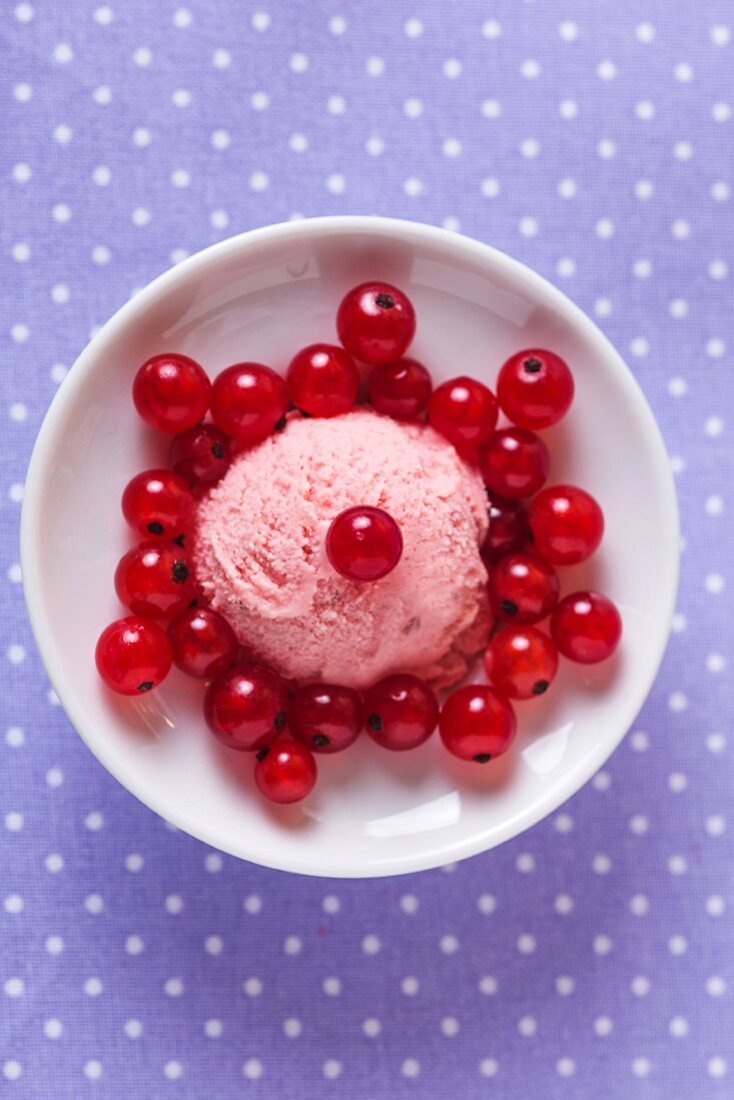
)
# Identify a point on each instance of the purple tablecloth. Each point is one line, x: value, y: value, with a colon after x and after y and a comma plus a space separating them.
x: 590, y: 957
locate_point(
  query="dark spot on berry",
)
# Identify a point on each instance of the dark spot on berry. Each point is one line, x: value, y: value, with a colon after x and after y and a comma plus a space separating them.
x: 262, y: 753
x: 508, y: 607
x: 180, y: 540
x: 532, y: 366
x: 145, y: 686
x: 218, y: 450
x: 385, y: 301
x: 194, y: 602
x: 304, y: 414
x: 320, y: 740
x: 483, y: 757
x: 280, y: 424
x: 540, y: 687
x: 375, y: 722
x: 529, y: 534
x: 280, y: 721
x: 156, y: 528
x: 179, y: 572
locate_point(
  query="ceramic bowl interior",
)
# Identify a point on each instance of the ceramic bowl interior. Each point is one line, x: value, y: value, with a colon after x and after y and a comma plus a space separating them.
x: 261, y: 296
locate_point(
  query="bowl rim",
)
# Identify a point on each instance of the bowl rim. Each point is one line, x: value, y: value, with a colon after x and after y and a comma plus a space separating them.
x: 433, y: 855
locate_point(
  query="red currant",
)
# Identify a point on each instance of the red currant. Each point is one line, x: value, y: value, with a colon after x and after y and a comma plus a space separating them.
x: 586, y: 627
x: 364, y: 544
x: 326, y: 717
x: 521, y: 662
x: 171, y: 393
x: 477, y: 724
x: 201, y: 455
x: 523, y: 587
x: 401, y: 389
x: 203, y: 642
x: 246, y: 707
x: 535, y: 388
x: 133, y: 655
x: 464, y: 411
x: 402, y: 712
x: 323, y: 380
x: 155, y: 579
x: 376, y: 322
x: 508, y: 529
x: 285, y: 771
x: 248, y: 401
x: 567, y: 524
x: 158, y: 504
x: 515, y: 463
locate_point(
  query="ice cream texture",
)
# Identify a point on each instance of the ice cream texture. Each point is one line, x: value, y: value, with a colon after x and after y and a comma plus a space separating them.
x: 261, y: 561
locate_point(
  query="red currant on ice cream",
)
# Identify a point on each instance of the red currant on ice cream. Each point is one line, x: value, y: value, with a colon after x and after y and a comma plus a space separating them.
x: 285, y: 771
x: 477, y: 724
x: 508, y: 529
x: 158, y: 504
x: 246, y: 707
x: 514, y: 463
x: 376, y: 322
x: 401, y: 711
x: 203, y: 643
x: 326, y: 717
x: 364, y: 544
x: 248, y: 401
x: 464, y: 411
x: 401, y: 389
x: 567, y: 524
x: 523, y: 588
x: 155, y: 579
x: 323, y: 380
x: 201, y: 455
x: 133, y: 655
x: 586, y: 627
x: 521, y: 662
x: 535, y: 388
x: 171, y: 393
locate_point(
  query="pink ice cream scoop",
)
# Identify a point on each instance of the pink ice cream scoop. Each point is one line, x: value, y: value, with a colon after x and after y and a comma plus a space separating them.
x: 261, y: 559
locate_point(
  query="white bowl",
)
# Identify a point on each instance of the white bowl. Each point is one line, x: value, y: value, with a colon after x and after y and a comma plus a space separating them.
x: 261, y: 296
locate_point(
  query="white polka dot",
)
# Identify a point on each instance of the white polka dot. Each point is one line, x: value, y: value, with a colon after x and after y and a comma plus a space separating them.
x: 642, y: 269
x: 568, y: 31
x: 93, y: 904
x: 293, y: 945
x: 715, y: 584
x: 54, y: 777
x: 452, y: 68
x: 527, y: 1026
x: 53, y: 1029
x: 101, y: 254
x: 680, y: 229
x: 449, y: 944
x: 530, y: 69
x: 93, y: 987
x: 336, y: 105
x: 331, y: 1069
x: 336, y: 184
x: 253, y: 904
x: 22, y: 92
x: 528, y: 226
x: 410, y: 1067
x: 491, y: 108
x: 677, y: 702
x: 15, y: 492
x: 720, y: 34
x: 566, y: 1067
x: 721, y: 112
x: 683, y: 72
x: 134, y: 945
x: 715, y: 986
x: 253, y: 987
x: 716, y: 742
x: 601, y: 864
x: 332, y: 987
x: 12, y: 1070
x: 260, y: 101
x: 603, y: 1026
x: 645, y: 110
x: 413, y: 28
x: 715, y: 348
x: 292, y: 1027
x: 63, y: 53
x: 14, y: 987
x: 449, y: 1027
x: 182, y: 18
x: 645, y: 33
x: 639, y: 905
x: 22, y: 173
x: 213, y: 1029
x: 413, y: 187
x: 679, y: 623
x: 640, y: 986
x: 221, y: 59
x: 602, y: 781
x: 487, y: 903
x: 526, y: 944
x: 604, y: 228
x: 451, y: 148
x: 718, y: 269
x: 260, y: 20
x: 641, y: 1067
x: 488, y: 1067
x: 677, y: 463
x: 102, y: 95
x: 488, y: 985
x: 142, y: 137
x: 566, y: 267
x: 221, y: 139
x: 490, y: 188
x: 717, y: 1067
x: 182, y: 98
x: 219, y: 219
x: 606, y: 70
x: 371, y: 1027
x: 133, y: 1029
x: 678, y: 1027
x: 491, y: 29
x: 568, y: 109
x: 530, y: 148
x: 563, y: 904
x: 337, y: 25
x: 565, y: 985
x: 173, y: 1070
x: 252, y: 1069
x: 103, y: 16
x: 567, y: 188
x: 683, y: 150
x: 644, y: 189
x: 677, y: 865
x: 375, y: 145
x: 371, y: 944
x: 19, y: 333
x: 640, y: 347
x: 180, y: 178
x: 259, y: 181
x: 606, y: 148
x: 24, y: 13
x: 603, y: 307
x: 54, y: 863
x: 602, y: 944
x: 410, y: 986
x: 173, y: 987
x: 374, y: 66
x: 715, y: 905
x: 716, y: 825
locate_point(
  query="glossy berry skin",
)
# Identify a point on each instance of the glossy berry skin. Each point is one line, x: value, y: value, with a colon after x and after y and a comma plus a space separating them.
x: 523, y: 588
x: 246, y: 707
x: 477, y: 723
x: 401, y: 389
x: 325, y: 717
x: 201, y: 455
x: 464, y: 411
x: 203, y: 643
x: 515, y: 463
x: 133, y: 655
x: 376, y: 322
x: 155, y: 579
x: 567, y: 524
x: 535, y: 388
x: 508, y: 530
x: 521, y: 662
x: 248, y: 401
x: 171, y: 393
x: 586, y: 627
x: 323, y: 380
x: 364, y: 544
x: 401, y: 711
x: 158, y: 504
x: 285, y: 771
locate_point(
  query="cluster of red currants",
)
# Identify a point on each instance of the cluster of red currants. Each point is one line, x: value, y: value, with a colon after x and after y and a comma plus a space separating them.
x: 250, y: 707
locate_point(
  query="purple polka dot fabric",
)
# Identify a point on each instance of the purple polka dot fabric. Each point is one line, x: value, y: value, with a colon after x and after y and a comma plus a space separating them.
x: 592, y: 955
